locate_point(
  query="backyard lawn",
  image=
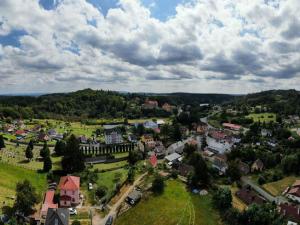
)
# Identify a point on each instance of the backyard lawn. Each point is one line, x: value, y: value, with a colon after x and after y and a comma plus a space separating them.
x: 263, y: 117
x: 11, y: 175
x: 106, y: 166
x: 276, y: 188
x: 236, y: 202
x: 174, y: 206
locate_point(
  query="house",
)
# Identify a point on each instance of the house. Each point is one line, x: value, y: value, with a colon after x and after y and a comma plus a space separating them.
x: 160, y: 122
x: 249, y: 197
x: 290, y: 211
x: 52, y: 132
x: 266, y: 133
x: 150, y: 125
x: 257, y: 166
x: 43, y: 137
x: 232, y: 126
x: 220, y: 163
x: 83, y: 139
x: 173, y: 158
x: 218, y: 146
x: 150, y: 144
x: 20, y: 133
x: 8, y: 128
x: 150, y: 104
x: 293, y: 192
x: 160, y: 150
x: 243, y: 167
x: 201, y: 129
x: 153, y: 160
x: 184, y: 169
x: 69, y: 191
x: 134, y: 197
x: 132, y: 138
x: 113, y: 136
x: 57, y: 217
x: 176, y: 147
x: 147, y: 138
x: 48, y: 203
x: 167, y: 107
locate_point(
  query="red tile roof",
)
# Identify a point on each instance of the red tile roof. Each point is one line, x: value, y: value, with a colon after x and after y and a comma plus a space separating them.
x: 153, y: 160
x: 48, y: 202
x: 290, y: 211
x: 20, y: 132
x: 232, y: 126
x: 69, y: 183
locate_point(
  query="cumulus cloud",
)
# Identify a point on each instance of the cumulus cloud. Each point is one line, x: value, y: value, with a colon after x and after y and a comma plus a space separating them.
x: 207, y: 43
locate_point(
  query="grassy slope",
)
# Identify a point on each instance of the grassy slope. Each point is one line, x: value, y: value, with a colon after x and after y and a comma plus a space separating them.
x: 276, y: 188
x: 263, y: 117
x: 175, y: 206
x: 11, y: 175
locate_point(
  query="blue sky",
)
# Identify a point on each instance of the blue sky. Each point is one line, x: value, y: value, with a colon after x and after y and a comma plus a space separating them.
x: 223, y: 46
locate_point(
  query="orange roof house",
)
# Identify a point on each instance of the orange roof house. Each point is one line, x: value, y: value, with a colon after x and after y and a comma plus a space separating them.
x: 153, y: 160
x: 232, y: 126
x: 69, y: 183
x: 48, y: 203
x: 69, y: 191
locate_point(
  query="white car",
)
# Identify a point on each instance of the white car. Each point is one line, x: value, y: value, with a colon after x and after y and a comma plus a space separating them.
x: 72, y: 211
x: 90, y: 186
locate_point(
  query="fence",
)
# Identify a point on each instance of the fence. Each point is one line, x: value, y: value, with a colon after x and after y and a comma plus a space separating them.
x: 98, y: 150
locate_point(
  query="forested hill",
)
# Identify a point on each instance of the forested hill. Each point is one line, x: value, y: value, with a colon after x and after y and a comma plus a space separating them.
x: 278, y: 101
x: 97, y: 104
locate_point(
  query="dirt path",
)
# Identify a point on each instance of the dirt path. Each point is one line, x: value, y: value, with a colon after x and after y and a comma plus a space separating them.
x: 97, y: 220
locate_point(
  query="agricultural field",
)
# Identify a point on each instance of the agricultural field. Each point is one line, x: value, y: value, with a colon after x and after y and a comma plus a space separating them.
x: 11, y: 175
x: 263, y: 117
x: 276, y: 188
x: 174, y: 206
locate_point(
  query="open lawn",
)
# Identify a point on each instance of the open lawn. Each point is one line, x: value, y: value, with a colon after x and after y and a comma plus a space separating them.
x: 174, y: 206
x: 263, y: 117
x: 105, y: 166
x: 11, y: 175
x: 276, y: 188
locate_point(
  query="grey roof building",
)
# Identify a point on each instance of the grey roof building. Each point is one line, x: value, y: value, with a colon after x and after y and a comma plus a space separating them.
x: 58, y: 216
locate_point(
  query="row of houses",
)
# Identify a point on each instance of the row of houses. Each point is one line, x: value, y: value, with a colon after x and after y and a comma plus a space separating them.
x: 69, y: 196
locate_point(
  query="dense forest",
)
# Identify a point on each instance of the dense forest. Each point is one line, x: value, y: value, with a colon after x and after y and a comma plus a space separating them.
x: 98, y: 104
x: 285, y: 102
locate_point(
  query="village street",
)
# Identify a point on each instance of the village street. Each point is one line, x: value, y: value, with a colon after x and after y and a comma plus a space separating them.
x: 278, y: 199
x: 113, y: 209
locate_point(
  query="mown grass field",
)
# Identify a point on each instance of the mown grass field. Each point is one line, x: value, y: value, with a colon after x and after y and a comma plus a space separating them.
x: 175, y: 206
x: 263, y: 117
x: 105, y: 166
x: 11, y: 175
x: 276, y: 188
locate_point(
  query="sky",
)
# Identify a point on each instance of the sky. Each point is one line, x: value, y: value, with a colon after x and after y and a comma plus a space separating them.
x: 200, y: 46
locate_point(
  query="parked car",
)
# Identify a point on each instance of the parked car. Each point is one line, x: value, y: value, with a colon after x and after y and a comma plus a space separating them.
x: 109, y: 221
x: 90, y: 186
x: 72, y: 211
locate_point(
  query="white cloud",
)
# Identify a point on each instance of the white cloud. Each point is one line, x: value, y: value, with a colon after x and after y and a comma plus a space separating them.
x: 244, y: 45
